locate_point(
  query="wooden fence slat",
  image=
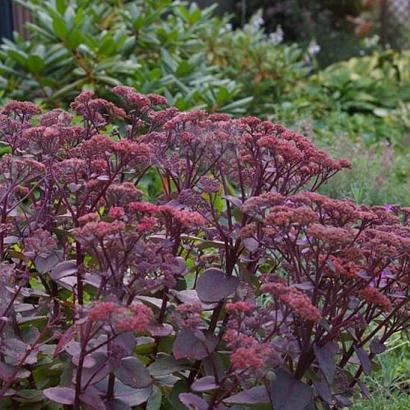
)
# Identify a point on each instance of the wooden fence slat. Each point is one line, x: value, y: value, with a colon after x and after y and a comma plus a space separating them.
x: 20, y: 17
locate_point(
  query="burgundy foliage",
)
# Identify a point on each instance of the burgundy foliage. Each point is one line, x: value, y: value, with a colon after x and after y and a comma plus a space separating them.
x: 151, y: 257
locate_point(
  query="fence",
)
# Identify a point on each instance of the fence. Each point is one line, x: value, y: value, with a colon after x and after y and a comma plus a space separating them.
x: 395, y: 22
x: 20, y: 17
x: 12, y: 18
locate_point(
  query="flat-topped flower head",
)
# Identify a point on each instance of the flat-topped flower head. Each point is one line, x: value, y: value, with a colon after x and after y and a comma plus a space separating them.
x: 99, y: 230
x: 21, y: 110
x: 134, y: 318
x: 374, y: 297
x: 299, y: 302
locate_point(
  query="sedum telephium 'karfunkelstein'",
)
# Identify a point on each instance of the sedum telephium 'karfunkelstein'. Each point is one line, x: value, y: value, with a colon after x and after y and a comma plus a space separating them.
x: 151, y: 257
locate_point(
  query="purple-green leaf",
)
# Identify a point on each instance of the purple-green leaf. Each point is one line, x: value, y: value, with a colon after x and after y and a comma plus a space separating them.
x: 288, y: 393
x: 64, y: 269
x: 165, y: 366
x: 325, y: 356
x: 133, y: 373
x: 376, y: 346
x: 62, y: 395
x: 193, y: 402
x: 323, y: 390
x: 126, y: 395
x: 163, y: 329
x: 180, y: 267
x: 92, y: 398
x: 94, y: 374
x: 344, y: 401
x: 255, y: 395
x: 233, y: 200
x: 15, y: 350
x: 7, y: 371
x: 45, y: 264
x: 193, y: 345
x: 364, y: 359
x: 250, y: 244
x: 365, y: 391
x: 65, y: 338
x: 191, y: 296
x: 213, y: 286
x: 204, y: 384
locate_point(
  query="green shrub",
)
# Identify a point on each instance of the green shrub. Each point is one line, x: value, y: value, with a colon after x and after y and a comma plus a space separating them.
x: 188, y: 54
x: 366, y: 84
x: 153, y: 45
x: 365, y: 97
x: 266, y: 69
x: 197, y: 60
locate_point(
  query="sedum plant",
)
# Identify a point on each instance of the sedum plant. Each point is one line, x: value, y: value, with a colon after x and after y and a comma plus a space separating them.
x: 153, y: 258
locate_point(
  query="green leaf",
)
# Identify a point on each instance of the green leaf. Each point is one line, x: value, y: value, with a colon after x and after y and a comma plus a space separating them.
x: 29, y: 396
x: 19, y: 56
x: 4, y: 148
x: 70, y: 87
x: 183, y: 69
x: 75, y: 38
x: 69, y: 17
x: 155, y: 400
x: 179, y: 387
x: 165, y: 366
x: 59, y: 27
x: 61, y: 6
x: 168, y: 60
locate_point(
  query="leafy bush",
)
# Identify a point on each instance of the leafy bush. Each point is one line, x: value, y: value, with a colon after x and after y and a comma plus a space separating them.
x: 368, y: 83
x: 187, y: 54
x: 152, y: 45
x: 265, y: 69
x: 235, y: 284
x: 195, y: 59
x: 363, y: 97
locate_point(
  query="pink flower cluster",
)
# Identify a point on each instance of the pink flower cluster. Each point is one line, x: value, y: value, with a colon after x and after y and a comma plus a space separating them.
x: 297, y: 301
x: 133, y: 318
x: 373, y: 297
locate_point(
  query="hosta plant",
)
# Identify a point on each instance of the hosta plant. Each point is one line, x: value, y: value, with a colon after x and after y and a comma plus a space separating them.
x: 159, y: 259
